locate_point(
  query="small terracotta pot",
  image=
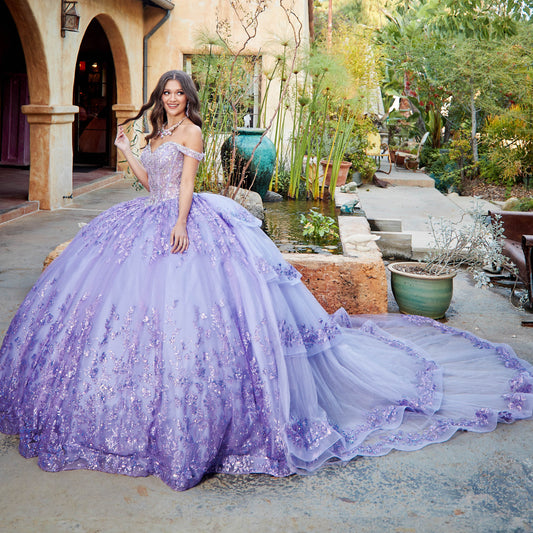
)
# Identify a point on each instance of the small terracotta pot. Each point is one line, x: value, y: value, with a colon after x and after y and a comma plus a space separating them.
x: 343, y: 172
x: 411, y: 164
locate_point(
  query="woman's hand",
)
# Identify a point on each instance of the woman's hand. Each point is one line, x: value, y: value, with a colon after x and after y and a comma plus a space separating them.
x: 179, y: 239
x: 121, y: 141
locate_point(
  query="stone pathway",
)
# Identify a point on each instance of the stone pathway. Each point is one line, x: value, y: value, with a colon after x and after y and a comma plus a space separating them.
x: 400, y: 216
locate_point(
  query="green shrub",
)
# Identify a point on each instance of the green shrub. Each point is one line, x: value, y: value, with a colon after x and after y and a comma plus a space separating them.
x: 508, y: 143
x: 489, y: 170
x: 444, y: 171
x: 522, y: 204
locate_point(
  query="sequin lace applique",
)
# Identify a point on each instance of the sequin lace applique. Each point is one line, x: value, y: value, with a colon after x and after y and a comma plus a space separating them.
x: 282, y: 272
x: 308, y: 339
x: 164, y: 167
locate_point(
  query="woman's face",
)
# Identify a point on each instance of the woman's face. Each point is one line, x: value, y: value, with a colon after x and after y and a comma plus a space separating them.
x: 174, y: 99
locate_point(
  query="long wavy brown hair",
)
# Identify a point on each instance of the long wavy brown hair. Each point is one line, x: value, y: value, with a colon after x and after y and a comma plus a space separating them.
x: 158, y: 115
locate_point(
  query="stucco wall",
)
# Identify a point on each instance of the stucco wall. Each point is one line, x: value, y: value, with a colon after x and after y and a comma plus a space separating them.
x: 179, y: 35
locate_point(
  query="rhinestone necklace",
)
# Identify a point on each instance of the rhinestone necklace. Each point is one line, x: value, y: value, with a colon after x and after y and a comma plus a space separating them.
x: 164, y: 133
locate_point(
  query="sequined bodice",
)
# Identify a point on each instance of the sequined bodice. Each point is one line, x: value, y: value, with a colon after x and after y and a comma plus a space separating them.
x: 164, y: 166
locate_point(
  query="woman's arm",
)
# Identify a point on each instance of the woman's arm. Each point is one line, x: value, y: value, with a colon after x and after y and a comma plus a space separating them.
x: 179, y: 239
x: 123, y: 144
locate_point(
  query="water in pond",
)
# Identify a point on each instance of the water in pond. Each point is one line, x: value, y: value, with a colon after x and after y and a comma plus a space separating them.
x: 282, y: 224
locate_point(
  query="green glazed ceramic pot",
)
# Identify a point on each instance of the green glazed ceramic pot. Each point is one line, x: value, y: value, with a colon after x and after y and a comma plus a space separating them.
x: 420, y: 294
x: 259, y: 172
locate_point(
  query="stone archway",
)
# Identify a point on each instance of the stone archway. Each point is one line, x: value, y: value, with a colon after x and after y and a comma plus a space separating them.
x: 120, y: 58
x: 24, y: 73
x: 50, y: 112
x: 95, y: 94
x: 34, y: 50
x: 50, y: 123
x: 122, y: 107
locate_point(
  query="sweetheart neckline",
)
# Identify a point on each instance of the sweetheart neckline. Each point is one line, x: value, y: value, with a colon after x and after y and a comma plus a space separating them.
x: 169, y: 142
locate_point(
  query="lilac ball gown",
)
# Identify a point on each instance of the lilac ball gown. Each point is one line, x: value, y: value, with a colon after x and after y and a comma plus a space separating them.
x: 128, y: 359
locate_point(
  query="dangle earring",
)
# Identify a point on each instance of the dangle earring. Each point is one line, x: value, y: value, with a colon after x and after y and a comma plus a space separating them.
x: 187, y: 109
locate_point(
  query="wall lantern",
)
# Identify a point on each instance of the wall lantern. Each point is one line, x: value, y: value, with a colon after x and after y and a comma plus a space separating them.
x: 70, y: 18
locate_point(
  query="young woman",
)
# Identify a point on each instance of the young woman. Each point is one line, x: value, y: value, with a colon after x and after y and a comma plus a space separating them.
x: 172, y: 339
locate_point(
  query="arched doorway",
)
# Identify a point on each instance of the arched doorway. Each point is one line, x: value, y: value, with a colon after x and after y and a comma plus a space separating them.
x: 95, y: 94
x: 14, y: 128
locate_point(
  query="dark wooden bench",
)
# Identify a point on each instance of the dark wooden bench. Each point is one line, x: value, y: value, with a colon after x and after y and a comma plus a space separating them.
x: 518, y: 244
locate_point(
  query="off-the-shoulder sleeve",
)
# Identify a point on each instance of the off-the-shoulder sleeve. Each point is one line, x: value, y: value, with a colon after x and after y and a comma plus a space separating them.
x: 188, y: 151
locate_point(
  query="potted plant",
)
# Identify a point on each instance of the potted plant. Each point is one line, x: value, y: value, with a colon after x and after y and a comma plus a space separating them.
x: 426, y: 288
x: 367, y: 167
x: 342, y: 173
x: 362, y: 165
x: 393, y: 148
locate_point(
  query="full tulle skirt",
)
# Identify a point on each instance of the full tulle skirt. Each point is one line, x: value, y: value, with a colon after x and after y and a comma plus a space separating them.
x: 129, y: 359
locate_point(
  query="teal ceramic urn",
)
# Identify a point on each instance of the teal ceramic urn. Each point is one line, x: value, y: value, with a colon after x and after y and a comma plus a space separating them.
x: 259, y: 172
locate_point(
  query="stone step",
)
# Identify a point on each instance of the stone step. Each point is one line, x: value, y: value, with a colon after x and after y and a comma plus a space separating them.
x: 408, y: 179
x: 396, y: 245
x: 385, y: 224
x: 17, y: 211
x: 99, y: 183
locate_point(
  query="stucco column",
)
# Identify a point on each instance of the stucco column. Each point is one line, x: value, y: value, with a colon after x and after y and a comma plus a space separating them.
x: 122, y: 113
x: 50, y: 153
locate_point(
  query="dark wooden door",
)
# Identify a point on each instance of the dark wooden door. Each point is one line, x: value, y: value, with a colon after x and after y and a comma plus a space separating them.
x: 15, y: 127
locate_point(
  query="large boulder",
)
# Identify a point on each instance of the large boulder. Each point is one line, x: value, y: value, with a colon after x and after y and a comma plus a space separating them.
x: 249, y: 200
